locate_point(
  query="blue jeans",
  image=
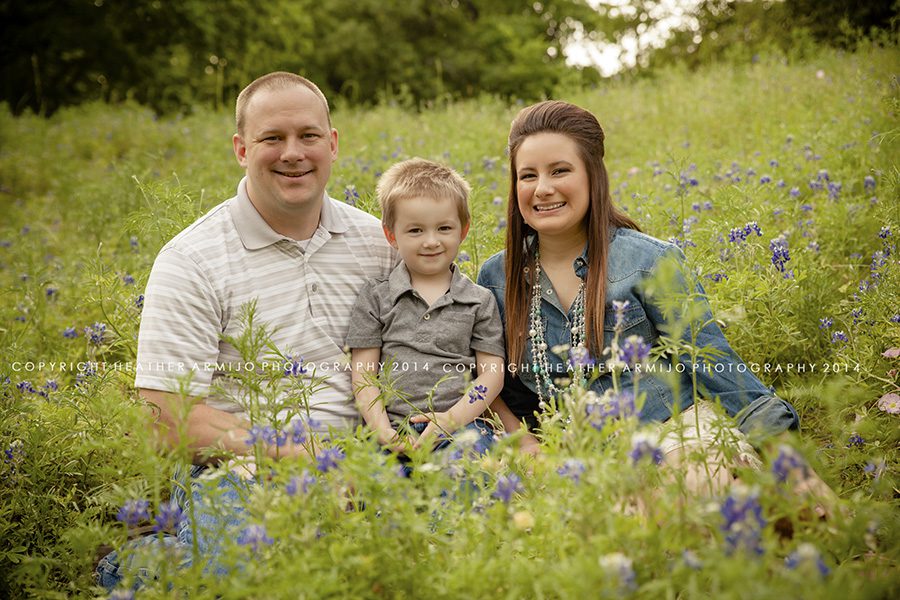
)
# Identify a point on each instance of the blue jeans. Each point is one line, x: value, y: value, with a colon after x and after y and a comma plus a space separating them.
x: 217, y: 511
x: 484, y: 440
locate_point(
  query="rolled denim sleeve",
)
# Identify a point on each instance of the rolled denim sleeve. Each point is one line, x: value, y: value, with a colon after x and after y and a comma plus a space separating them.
x: 722, y: 375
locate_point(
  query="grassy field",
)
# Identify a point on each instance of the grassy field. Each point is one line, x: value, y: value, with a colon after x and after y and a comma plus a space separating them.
x: 808, y: 152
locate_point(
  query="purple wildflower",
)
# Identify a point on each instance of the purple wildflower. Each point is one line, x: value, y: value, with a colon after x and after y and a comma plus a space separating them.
x: 718, y: 277
x: 876, y: 469
x: 580, y: 358
x: 293, y: 368
x: 139, y: 301
x: 133, y: 512
x: 795, y: 192
x: 869, y: 183
x: 620, y: 307
x: 463, y: 257
x: 477, y: 394
x: 329, y: 458
x: 51, y: 292
x: 617, y: 565
x: 806, y: 556
x: 572, y: 468
x: 839, y: 336
x: 168, y: 517
x: 507, y: 486
x: 645, y: 446
x: 743, y: 521
x: 133, y: 242
x: 765, y: 179
x: 787, y: 461
x: 614, y: 406
x: 298, y: 432
x: 95, y: 333
x: 254, y: 536
x: 351, y: 196
x: 834, y: 189
x: 856, y: 440
x: 634, y: 350
x: 302, y: 483
x: 895, y: 318
x: 780, y: 252
x: 885, y: 232
x: 25, y: 386
x: 127, y: 279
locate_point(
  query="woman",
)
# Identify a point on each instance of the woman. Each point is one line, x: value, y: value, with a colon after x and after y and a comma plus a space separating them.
x: 572, y: 260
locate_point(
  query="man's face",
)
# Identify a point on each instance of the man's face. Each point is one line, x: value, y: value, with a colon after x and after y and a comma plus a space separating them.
x: 287, y: 149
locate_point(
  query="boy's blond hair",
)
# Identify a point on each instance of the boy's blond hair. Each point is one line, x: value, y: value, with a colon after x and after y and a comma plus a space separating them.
x: 417, y: 178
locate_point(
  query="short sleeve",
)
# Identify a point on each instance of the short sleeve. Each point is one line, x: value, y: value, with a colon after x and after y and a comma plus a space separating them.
x: 487, y: 333
x: 181, y: 324
x: 366, y: 325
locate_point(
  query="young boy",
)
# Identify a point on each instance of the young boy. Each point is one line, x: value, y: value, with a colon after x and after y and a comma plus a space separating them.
x: 426, y: 320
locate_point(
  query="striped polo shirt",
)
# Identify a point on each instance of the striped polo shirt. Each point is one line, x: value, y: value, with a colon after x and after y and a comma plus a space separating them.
x: 204, y: 280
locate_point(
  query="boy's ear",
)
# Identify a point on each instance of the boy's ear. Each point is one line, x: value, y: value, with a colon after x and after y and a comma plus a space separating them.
x: 389, y: 235
x: 465, y: 232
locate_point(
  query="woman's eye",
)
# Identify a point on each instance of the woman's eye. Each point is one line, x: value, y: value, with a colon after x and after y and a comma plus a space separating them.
x: 560, y: 171
x: 526, y: 176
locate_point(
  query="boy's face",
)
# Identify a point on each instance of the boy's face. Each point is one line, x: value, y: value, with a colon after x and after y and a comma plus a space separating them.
x: 427, y: 233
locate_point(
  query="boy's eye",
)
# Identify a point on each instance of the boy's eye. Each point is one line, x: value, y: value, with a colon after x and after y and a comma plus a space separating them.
x: 413, y: 230
x: 445, y: 228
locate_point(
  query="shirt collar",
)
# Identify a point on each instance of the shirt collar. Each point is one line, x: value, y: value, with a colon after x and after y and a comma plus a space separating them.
x: 256, y: 233
x: 460, y: 291
x: 580, y: 264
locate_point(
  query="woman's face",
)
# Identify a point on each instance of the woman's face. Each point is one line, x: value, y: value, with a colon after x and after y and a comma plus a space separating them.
x: 552, y: 185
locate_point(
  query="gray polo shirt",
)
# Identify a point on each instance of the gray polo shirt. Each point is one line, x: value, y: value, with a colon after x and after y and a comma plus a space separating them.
x: 433, y: 347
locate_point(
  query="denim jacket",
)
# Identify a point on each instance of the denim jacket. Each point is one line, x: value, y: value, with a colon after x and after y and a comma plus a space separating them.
x: 633, y: 257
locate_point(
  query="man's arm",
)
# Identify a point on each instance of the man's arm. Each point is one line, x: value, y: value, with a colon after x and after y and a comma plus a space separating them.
x: 190, y: 423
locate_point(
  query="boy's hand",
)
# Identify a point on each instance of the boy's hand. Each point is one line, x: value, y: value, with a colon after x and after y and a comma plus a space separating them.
x: 389, y: 438
x: 439, y: 423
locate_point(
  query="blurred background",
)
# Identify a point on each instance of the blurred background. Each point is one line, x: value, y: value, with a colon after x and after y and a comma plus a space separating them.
x: 177, y: 55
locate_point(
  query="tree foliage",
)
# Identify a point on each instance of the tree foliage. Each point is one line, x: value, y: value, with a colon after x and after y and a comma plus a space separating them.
x: 171, y: 54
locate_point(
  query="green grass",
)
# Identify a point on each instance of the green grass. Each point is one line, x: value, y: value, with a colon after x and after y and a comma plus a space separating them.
x: 77, y: 189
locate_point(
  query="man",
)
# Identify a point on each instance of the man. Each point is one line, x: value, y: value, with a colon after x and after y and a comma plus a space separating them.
x: 281, y: 242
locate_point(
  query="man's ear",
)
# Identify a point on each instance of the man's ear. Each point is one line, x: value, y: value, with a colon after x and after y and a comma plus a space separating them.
x: 390, y: 236
x: 240, y: 149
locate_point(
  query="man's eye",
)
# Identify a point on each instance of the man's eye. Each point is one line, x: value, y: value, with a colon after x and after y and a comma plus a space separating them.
x: 271, y: 138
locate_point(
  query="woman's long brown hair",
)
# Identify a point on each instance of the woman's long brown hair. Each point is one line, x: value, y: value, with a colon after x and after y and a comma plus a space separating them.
x: 583, y: 128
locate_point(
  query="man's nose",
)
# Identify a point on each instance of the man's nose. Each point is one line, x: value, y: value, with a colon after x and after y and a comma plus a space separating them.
x: 292, y: 150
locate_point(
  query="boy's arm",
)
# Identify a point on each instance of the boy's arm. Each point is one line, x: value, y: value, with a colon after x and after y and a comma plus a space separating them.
x: 365, y: 369
x: 476, y: 400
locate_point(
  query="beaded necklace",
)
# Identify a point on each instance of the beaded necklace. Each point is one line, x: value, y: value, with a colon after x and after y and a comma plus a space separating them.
x: 540, y: 363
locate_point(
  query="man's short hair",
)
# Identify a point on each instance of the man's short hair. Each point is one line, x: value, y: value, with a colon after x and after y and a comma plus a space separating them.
x: 418, y: 178
x: 278, y: 80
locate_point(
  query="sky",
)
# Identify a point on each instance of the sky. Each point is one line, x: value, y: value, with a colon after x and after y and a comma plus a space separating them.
x: 611, y: 57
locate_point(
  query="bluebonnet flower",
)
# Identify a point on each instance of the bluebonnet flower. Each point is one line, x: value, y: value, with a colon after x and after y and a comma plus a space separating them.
x: 823, y: 175
x: 572, y: 468
x: 895, y: 318
x: 787, y: 461
x: 707, y: 205
x: 634, y: 350
x: 611, y: 406
x: 691, y: 560
x: 751, y: 172
x: 813, y: 245
x: 773, y: 163
x: 298, y: 432
x: 696, y: 206
x: 869, y: 183
x: 351, y: 196
x: 620, y: 307
x: 497, y: 201
x: 856, y: 440
x: 805, y: 556
x: 168, y: 517
x: 301, y: 484
x: 489, y: 164
x: 795, y: 192
x: 51, y: 292
x: 834, y: 190
x: 580, y: 358
x: 139, y: 301
x: 644, y: 445
x: 25, y: 386
x: 856, y: 313
x: 501, y: 224
x: 885, y: 232
x: 133, y: 242
x: 266, y: 434
x: 743, y: 521
x: 84, y: 375
x: 806, y: 207
x: 293, y: 368
x: 477, y: 394
x: 717, y: 277
x: 619, y: 567
x: 329, y: 458
x: 26, y: 230
x: 5, y: 244
x: 133, y: 512
x: 95, y: 333
x: 780, y: 183
x: 876, y: 469
x: 780, y: 253
x: 463, y: 257
x: 127, y: 279
x: 507, y: 486
x: 816, y: 185
x: 765, y: 179
x: 839, y: 336
x: 254, y: 536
